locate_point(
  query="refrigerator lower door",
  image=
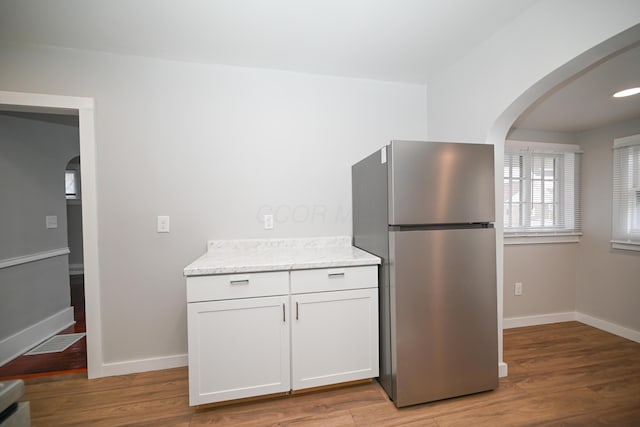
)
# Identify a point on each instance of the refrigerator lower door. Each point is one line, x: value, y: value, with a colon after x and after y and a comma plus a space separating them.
x: 443, y: 313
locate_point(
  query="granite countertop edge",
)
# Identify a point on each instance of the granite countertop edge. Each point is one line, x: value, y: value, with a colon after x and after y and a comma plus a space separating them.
x: 203, y: 271
x: 293, y: 254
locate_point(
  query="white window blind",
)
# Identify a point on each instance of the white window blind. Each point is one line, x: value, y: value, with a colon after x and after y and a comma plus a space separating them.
x: 626, y: 194
x: 541, y: 189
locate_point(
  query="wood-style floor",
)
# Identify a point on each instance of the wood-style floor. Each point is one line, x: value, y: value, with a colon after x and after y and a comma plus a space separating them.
x: 73, y: 359
x: 565, y: 374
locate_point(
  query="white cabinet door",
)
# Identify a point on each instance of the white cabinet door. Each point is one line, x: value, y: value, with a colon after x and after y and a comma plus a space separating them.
x: 238, y: 348
x: 334, y: 337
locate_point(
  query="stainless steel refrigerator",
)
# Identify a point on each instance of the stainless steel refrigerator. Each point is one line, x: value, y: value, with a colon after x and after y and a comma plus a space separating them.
x: 427, y: 209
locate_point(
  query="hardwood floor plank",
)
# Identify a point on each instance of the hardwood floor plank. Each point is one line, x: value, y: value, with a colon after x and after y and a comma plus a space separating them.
x: 386, y: 414
x: 576, y: 377
x: 333, y: 419
x: 619, y: 417
x: 622, y: 391
x: 526, y: 410
x: 288, y: 409
x: 117, y: 415
x: 560, y: 374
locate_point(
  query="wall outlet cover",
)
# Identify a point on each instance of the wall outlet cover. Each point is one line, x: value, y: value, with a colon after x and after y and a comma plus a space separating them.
x: 164, y: 224
x: 268, y: 222
x: 518, y: 289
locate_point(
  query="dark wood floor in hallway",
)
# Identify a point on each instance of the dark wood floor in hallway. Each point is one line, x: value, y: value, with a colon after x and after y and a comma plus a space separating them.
x: 73, y: 359
x: 567, y: 374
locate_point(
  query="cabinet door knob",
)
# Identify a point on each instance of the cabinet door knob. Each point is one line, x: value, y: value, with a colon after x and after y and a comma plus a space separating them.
x: 296, y: 310
x: 284, y: 315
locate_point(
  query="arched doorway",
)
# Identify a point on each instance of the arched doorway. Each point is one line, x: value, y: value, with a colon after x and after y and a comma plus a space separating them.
x: 501, y: 126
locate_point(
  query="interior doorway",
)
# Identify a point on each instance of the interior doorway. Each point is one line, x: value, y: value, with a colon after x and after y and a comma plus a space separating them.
x: 83, y: 108
x: 46, y: 140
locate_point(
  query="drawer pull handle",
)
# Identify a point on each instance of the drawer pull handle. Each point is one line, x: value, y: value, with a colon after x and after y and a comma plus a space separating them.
x: 336, y: 275
x: 240, y: 282
x: 296, y: 311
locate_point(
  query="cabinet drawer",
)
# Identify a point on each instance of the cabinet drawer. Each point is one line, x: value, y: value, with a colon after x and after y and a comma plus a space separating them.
x: 231, y: 286
x: 334, y: 279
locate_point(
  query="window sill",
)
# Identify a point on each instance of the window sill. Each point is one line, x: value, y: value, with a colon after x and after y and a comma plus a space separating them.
x: 536, y: 239
x: 627, y: 246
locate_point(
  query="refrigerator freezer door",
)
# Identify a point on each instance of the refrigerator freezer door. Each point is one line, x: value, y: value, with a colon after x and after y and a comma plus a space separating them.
x: 445, y: 338
x: 440, y: 183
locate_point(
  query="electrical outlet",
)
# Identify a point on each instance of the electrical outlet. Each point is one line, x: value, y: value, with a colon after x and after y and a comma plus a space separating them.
x: 164, y: 224
x: 268, y: 221
x: 518, y: 289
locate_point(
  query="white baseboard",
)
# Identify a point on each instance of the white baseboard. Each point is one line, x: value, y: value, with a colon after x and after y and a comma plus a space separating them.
x: 76, y: 269
x: 18, y: 343
x: 612, y: 328
x: 503, y: 369
x: 144, y: 365
x: 542, y: 319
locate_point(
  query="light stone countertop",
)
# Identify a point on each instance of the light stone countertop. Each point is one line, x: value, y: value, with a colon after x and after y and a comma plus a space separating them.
x: 243, y: 256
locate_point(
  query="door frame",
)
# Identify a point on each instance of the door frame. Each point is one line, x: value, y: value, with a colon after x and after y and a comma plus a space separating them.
x: 84, y: 108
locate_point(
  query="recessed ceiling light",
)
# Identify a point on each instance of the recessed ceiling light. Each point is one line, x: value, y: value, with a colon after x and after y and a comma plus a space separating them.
x: 627, y: 92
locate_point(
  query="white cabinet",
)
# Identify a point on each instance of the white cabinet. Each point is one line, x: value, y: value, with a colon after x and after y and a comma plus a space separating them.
x: 238, y: 347
x: 246, y: 339
x: 334, y: 337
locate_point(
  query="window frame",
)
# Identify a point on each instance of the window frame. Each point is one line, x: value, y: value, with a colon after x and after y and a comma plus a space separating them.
x: 625, y: 202
x: 566, y: 214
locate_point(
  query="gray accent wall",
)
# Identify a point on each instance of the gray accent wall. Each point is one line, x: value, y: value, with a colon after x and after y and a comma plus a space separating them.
x: 33, y: 154
x: 74, y: 233
x: 548, y: 276
x: 608, y: 280
x: 547, y: 271
x: 588, y: 277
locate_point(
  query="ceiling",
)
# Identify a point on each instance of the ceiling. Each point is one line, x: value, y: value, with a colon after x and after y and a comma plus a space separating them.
x: 393, y: 40
x: 396, y: 40
x: 585, y: 102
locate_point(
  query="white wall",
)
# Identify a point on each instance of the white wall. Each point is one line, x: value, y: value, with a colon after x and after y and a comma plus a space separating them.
x: 33, y: 156
x: 467, y: 98
x: 608, y: 280
x: 210, y: 146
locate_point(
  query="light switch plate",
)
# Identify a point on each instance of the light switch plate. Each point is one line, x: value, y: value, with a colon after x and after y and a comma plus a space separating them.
x: 52, y: 221
x: 164, y: 224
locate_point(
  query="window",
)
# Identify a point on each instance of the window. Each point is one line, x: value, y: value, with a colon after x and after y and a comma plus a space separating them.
x: 72, y: 184
x: 541, y: 191
x: 626, y: 194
